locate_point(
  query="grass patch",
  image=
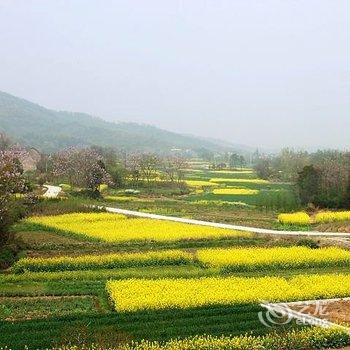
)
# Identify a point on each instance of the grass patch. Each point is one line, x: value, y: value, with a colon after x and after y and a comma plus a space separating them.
x: 100, y: 275
x: 28, y: 308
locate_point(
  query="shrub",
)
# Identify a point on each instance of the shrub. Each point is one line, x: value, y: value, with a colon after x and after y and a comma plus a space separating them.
x: 8, y: 253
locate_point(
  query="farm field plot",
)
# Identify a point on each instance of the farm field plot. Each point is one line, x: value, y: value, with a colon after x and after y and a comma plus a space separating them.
x: 332, y: 221
x: 198, y: 174
x: 235, y: 191
x: 28, y: 308
x: 103, y: 322
x: 200, y: 183
x: 279, y: 197
x: 110, y: 261
x: 134, y: 295
x: 242, y: 188
x: 111, y: 279
x: 232, y: 196
x: 304, y: 339
x: 119, y: 228
x: 278, y: 258
x: 57, y: 270
x: 255, y: 181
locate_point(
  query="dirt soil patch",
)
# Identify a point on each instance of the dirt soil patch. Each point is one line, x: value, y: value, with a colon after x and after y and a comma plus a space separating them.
x: 333, y: 311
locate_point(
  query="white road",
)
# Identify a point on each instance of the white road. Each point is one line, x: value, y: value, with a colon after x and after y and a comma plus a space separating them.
x: 52, y: 191
x: 227, y: 226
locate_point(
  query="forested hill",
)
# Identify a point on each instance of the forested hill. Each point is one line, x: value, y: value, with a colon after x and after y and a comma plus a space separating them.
x: 48, y: 130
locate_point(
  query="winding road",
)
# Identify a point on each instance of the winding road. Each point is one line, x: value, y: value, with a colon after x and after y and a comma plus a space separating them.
x: 228, y: 226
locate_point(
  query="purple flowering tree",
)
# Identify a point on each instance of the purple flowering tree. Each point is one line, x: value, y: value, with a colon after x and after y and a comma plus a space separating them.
x: 81, y: 167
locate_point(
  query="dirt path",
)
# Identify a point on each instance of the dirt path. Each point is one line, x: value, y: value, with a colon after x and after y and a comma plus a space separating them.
x: 52, y: 191
x: 228, y: 226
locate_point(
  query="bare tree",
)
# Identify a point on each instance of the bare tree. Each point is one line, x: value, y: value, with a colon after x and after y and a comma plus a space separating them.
x: 148, y: 165
x: 132, y: 166
x: 83, y: 167
x: 174, y: 167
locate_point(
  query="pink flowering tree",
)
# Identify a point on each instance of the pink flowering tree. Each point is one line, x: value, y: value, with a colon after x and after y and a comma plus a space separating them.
x: 11, y: 182
x: 81, y: 167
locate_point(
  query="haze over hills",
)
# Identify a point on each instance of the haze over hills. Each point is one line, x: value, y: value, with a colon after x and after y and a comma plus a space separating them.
x: 49, y: 131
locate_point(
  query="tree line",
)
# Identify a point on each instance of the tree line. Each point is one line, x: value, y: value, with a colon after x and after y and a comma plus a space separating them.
x: 322, y: 178
x: 90, y: 167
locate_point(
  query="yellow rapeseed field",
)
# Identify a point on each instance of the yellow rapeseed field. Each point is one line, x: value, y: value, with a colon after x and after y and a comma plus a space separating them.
x: 243, y: 171
x: 235, y: 191
x: 89, y: 262
x: 252, y: 181
x: 118, y: 228
x: 140, y: 294
x: 299, y: 218
x: 199, y: 183
x: 127, y: 199
x: 302, y: 218
x: 248, y: 259
x: 329, y: 216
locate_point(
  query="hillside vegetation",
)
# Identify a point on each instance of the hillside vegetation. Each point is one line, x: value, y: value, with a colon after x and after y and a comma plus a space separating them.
x: 48, y: 130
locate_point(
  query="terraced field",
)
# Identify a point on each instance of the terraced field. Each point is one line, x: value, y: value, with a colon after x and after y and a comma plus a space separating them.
x: 226, y: 196
x: 91, y: 278
x: 240, y: 187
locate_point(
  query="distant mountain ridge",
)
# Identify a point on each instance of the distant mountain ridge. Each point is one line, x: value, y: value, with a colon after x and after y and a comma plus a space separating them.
x: 49, y: 131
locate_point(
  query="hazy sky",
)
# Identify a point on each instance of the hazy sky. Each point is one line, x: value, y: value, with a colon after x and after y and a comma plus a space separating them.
x: 261, y: 73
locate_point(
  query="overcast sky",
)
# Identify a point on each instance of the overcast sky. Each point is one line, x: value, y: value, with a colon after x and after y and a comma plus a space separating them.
x: 261, y: 73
